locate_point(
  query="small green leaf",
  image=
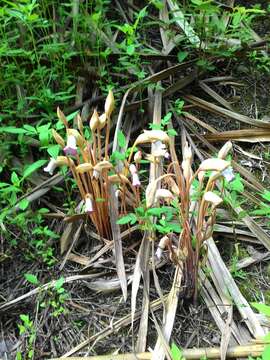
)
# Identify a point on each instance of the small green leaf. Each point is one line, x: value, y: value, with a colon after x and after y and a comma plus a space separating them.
x: 59, y: 283
x: 15, y: 179
x: 130, y: 49
x: 266, y: 195
x: 33, y: 167
x: 182, y: 55
x: 31, y: 278
x: 130, y: 218
x: 266, y: 353
x: 54, y: 150
x: 23, y: 204
x: 171, y: 132
x: 121, y: 139
x: 262, y: 308
x: 176, y: 352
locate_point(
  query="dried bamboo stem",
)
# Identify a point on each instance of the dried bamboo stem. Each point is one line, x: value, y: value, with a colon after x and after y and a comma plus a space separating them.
x: 210, y: 353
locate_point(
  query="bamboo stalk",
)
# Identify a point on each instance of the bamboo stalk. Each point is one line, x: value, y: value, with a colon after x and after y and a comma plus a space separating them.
x: 189, y: 354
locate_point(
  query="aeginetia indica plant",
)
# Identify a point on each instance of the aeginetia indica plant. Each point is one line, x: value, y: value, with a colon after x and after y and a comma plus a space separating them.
x: 178, y: 207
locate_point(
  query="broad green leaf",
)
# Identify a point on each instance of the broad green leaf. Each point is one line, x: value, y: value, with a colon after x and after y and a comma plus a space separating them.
x: 262, y: 308
x: 33, y: 167
x: 31, y: 278
x: 12, y: 130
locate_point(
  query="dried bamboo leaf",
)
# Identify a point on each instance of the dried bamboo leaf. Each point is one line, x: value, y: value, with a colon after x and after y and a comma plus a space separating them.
x: 119, y: 259
x: 154, y: 173
x: 243, y: 135
x: 255, y: 228
x: 172, y: 302
x: 225, y: 112
x: 224, y: 280
x: 215, y: 95
x: 110, y: 329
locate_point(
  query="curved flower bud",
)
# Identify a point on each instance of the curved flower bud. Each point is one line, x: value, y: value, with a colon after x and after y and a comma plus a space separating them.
x: 226, y: 148
x: 61, y: 117
x: 71, y: 147
x: 187, y: 171
x: 85, y: 167
x: 138, y: 157
x: 109, y: 104
x: 214, y: 164
x: 163, y: 243
x: 152, y: 136
x: 79, y: 123
x: 94, y: 121
x: 102, y: 120
x: 88, y: 204
x: 163, y: 194
x: 51, y: 166
x: 58, y: 138
x: 102, y: 165
x: 187, y: 153
x: 118, y: 178
x: 135, y: 180
x: 132, y: 169
x: 77, y: 135
x: 213, y: 198
x: 150, y: 193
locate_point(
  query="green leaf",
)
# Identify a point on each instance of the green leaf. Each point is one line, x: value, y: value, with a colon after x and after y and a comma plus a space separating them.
x: 166, y: 119
x: 266, y: 353
x: 30, y: 129
x: 59, y: 283
x: 236, y: 184
x: 12, y: 130
x: 130, y: 49
x: 116, y: 155
x: 262, y: 308
x: 44, y: 134
x: 25, y: 318
x: 266, y: 195
x: 23, y: 204
x: 171, y: 132
x: 31, y: 278
x: 54, y: 150
x: 33, y: 167
x: 130, y: 218
x: 15, y: 179
x: 176, y: 352
x: 155, y: 211
x: 121, y: 139
x: 182, y: 55
x: 174, y: 227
